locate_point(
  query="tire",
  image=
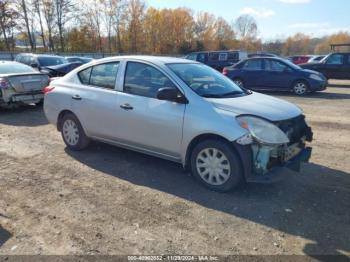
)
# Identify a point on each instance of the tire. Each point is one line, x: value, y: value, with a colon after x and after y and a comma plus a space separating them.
x: 239, y: 82
x: 221, y: 179
x: 72, y: 133
x: 300, y: 87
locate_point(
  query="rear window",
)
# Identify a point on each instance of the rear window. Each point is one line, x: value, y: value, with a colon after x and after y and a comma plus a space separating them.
x: 14, y: 68
x: 103, y: 75
x: 255, y: 64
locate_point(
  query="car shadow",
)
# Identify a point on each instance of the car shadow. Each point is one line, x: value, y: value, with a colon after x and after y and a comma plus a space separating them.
x: 312, y: 204
x: 4, y: 236
x: 29, y: 115
x: 320, y: 95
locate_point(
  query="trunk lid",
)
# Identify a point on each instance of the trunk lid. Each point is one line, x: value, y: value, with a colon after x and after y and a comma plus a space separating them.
x: 28, y: 83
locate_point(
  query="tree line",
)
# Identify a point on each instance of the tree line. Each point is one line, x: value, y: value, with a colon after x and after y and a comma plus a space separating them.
x: 130, y: 26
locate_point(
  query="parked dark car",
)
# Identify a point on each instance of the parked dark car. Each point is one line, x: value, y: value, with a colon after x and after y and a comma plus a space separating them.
x: 40, y: 61
x: 275, y: 74
x: 78, y: 59
x: 299, y: 59
x: 333, y: 66
x: 218, y: 59
x: 60, y: 70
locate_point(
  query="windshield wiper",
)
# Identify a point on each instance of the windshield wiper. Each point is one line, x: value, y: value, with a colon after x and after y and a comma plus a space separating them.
x: 231, y: 93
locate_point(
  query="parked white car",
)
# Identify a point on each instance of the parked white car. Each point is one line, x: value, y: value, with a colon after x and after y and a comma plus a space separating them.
x: 183, y: 111
x: 20, y: 84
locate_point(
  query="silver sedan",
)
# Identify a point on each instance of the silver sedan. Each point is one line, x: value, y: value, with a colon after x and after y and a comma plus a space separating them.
x: 182, y: 111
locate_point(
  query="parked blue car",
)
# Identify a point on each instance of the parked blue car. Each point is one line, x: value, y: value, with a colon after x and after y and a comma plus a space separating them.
x: 275, y: 74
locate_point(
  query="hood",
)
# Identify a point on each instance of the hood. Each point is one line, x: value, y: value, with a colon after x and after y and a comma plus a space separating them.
x: 257, y: 104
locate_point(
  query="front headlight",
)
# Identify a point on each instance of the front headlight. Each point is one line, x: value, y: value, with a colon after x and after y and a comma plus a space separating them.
x: 263, y: 131
x: 316, y: 77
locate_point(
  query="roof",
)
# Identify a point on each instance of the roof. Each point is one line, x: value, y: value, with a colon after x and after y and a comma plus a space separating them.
x: 154, y: 59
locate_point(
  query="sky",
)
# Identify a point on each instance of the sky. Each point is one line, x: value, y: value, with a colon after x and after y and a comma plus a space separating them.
x: 277, y: 19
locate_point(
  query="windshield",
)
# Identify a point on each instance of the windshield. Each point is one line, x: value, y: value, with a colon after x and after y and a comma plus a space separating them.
x: 14, y: 68
x: 51, y: 60
x: 206, y: 81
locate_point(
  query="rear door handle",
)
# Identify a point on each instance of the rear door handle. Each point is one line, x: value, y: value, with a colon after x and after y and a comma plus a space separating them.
x: 126, y: 107
x: 76, y: 97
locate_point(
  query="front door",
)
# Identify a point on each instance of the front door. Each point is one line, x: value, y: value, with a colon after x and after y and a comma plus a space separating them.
x: 334, y: 66
x: 279, y: 76
x: 146, y: 122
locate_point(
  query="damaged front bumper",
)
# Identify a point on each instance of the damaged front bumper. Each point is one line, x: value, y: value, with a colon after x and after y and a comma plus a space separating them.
x: 266, y: 163
x: 278, y: 172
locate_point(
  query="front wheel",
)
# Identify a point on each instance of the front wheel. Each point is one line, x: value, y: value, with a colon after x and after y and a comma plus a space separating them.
x: 300, y: 88
x: 72, y: 133
x: 215, y: 164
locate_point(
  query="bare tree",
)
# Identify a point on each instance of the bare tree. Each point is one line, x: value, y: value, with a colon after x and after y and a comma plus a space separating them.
x: 136, y: 9
x: 22, y: 6
x: 8, y: 17
x: 49, y: 16
x: 37, y: 7
x: 246, y: 27
x: 63, y: 10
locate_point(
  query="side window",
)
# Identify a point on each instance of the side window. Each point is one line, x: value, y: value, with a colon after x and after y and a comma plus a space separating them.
x: 276, y: 66
x: 255, y: 64
x: 104, y: 75
x: 144, y: 80
x: 336, y: 59
x: 202, y: 57
x: 223, y: 57
x: 214, y: 56
x: 232, y: 56
x: 84, y: 76
x: 192, y: 57
x: 26, y: 60
x: 349, y: 59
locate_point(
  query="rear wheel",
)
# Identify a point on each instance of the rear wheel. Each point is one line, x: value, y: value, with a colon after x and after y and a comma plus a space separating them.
x: 215, y: 164
x: 300, y: 88
x: 72, y: 133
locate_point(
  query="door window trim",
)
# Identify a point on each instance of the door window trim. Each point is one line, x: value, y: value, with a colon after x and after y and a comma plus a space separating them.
x: 100, y: 87
x: 124, y: 70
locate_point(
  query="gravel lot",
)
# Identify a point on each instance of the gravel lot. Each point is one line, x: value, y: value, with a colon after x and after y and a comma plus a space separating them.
x: 108, y: 200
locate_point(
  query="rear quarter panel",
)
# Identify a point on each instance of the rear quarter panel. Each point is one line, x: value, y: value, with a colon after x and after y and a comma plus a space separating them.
x: 57, y: 101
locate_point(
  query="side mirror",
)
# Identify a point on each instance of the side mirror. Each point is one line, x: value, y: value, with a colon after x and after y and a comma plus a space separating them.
x: 171, y: 94
x: 34, y: 65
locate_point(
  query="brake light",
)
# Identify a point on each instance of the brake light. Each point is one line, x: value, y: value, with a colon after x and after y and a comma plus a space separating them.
x: 225, y: 71
x: 48, y: 89
x: 4, y: 83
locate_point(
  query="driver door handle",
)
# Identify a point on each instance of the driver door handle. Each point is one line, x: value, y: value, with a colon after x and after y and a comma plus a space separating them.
x: 126, y: 107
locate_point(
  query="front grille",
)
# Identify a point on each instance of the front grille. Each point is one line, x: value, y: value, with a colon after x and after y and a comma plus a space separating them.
x: 295, y: 129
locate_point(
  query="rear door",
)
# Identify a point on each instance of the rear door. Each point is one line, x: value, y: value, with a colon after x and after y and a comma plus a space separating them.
x: 252, y: 73
x: 95, y: 100
x: 278, y: 75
